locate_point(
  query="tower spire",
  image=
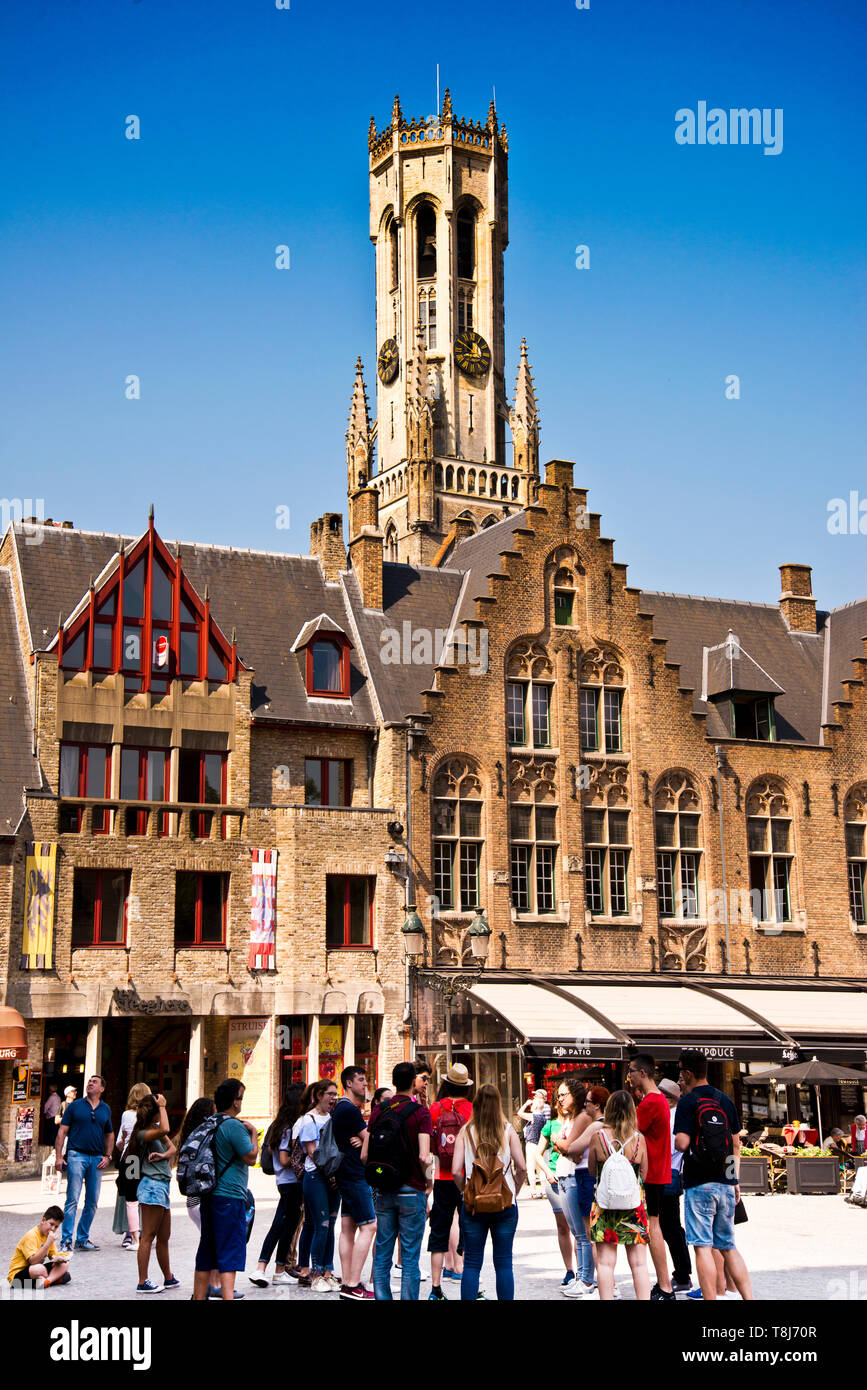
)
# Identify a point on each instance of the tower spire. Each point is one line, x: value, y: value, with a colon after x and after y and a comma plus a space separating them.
x: 524, y: 420
x: 359, y: 435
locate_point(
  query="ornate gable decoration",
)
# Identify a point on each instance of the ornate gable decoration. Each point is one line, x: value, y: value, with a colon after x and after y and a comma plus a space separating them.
x: 768, y: 798
x: 602, y: 666
x: 529, y: 659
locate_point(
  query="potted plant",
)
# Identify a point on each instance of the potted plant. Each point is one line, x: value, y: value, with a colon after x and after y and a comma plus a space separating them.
x: 754, y: 1176
x: 813, y: 1171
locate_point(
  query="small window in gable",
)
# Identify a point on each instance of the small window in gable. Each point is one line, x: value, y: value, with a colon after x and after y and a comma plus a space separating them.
x: 328, y: 668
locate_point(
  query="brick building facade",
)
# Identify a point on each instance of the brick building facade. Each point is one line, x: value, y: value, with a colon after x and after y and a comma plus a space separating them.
x: 658, y: 802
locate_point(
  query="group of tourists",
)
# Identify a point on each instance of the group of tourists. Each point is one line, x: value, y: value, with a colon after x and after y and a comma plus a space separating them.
x: 614, y: 1167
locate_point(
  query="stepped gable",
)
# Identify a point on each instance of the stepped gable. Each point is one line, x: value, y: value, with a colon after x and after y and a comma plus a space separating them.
x: 266, y: 597
x: 793, y: 659
x: 479, y: 555
x: 845, y: 629
x: 424, y: 598
x: 18, y: 767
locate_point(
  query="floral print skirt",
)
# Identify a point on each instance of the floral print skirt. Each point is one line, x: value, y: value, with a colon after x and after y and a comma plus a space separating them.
x: 619, y: 1227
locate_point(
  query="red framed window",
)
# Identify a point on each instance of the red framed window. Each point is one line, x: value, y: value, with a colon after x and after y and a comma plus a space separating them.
x: 348, y: 911
x: 144, y: 776
x: 148, y: 623
x: 328, y: 781
x: 292, y: 1033
x: 201, y: 903
x: 99, y: 899
x: 85, y: 771
x: 202, y: 780
x: 328, y: 668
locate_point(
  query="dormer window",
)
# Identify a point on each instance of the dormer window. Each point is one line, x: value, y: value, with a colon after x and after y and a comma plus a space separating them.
x: 753, y: 718
x: 324, y: 649
x: 742, y: 689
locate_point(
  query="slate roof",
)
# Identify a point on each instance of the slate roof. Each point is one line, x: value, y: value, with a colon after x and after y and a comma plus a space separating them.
x: 479, y: 555
x: 18, y: 767
x: 424, y: 599
x: 793, y: 659
x: 267, y: 597
x: 846, y: 627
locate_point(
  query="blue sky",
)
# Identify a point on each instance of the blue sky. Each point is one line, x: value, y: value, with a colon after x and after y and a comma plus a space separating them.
x: 156, y: 257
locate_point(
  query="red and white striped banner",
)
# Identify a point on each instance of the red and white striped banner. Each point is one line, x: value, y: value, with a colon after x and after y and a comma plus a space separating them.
x: 263, y: 911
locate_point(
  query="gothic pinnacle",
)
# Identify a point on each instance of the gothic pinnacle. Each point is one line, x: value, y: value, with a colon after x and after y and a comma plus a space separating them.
x: 396, y: 113
x: 447, y: 104
x: 492, y: 117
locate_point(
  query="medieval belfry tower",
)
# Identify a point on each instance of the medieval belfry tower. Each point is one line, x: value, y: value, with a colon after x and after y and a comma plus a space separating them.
x: 439, y: 226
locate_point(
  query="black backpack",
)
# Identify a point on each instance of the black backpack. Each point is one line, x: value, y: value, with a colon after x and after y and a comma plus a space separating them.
x: 714, y: 1142
x: 389, y: 1159
x: 266, y: 1157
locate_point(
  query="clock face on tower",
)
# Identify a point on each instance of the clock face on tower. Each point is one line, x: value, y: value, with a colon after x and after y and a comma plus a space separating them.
x: 388, y: 361
x: 472, y: 353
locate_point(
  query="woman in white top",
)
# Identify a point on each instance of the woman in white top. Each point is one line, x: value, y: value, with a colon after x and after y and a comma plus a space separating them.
x: 126, y: 1213
x: 321, y: 1198
x: 489, y: 1138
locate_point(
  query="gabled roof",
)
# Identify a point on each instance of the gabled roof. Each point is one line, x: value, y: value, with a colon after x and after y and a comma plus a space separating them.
x: 730, y: 670
x: 322, y: 624
x: 266, y: 597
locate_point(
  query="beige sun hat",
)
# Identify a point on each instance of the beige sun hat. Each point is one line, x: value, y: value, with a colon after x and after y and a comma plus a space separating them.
x: 458, y: 1075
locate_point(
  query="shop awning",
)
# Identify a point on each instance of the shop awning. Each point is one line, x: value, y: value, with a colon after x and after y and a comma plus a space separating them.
x: 13, y: 1035
x: 600, y: 1018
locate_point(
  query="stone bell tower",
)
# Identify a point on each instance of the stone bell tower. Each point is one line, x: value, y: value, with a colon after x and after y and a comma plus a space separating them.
x: 439, y: 226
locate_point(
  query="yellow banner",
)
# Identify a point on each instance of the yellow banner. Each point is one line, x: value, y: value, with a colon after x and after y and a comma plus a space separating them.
x: 39, y: 892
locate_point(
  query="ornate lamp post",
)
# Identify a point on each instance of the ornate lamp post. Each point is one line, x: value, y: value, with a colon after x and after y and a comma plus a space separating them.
x: 414, y: 942
x: 453, y: 982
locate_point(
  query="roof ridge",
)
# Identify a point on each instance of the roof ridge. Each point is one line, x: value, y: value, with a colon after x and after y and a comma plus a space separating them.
x: 708, y: 598
x: 194, y: 545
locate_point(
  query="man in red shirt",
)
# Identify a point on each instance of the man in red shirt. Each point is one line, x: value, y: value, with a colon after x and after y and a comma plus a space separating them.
x: 655, y: 1124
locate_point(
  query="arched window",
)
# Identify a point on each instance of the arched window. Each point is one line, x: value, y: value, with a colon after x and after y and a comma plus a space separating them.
x: 394, y: 256
x: 515, y: 482
x: 438, y: 475
x: 488, y: 521
x: 483, y: 484
x: 564, y: 596
x: 457, y: 836
x: 504, y: 486
x: 492, y: 489
x: 529, y: 691
x: 450, y: 478
x: 471, y: 480
x: 600, y: 701
x: 426, y: 235
x: 856, y: 851
x: 391, y: 542
x: 427, y: 317
x: 460, y: 480
x: 769, y: 842
x: 466, y: 237
x: 677, y: 827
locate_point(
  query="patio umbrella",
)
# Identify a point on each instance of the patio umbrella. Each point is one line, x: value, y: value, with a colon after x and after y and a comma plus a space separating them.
x: 813, y: 1073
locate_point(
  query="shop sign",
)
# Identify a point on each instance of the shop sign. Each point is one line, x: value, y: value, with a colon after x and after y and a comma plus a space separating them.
x: 251, y: 1055
x: 330, y: 1050
x: 34, y: 1085
x: 719, y: 1053
x: 20, y: 1074
x: 128, y: 1001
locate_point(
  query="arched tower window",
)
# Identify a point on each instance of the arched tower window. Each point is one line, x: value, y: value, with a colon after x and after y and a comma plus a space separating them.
x: 391, y: 542
x: 466, y: 223
x: 450, y: 478
x: 677, y: 827
x: 426, y: 234
x: 769, y: 841
x: 394, y: 256
x: 457, y: 836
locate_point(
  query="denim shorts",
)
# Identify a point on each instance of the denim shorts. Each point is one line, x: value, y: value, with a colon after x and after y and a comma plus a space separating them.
x: 555, y: 1197
x: 356, y: 1200
x: 153, y: 1193
x: 709, y: 1212
x: 223, y: 1245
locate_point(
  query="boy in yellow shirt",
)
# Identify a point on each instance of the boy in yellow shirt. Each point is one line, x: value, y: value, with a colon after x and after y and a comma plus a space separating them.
x: 35, y: 1254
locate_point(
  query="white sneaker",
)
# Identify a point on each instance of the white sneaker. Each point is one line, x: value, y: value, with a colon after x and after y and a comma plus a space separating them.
x: 321, y: 1285
x: 282, y: 1279
x: 574, y: 1289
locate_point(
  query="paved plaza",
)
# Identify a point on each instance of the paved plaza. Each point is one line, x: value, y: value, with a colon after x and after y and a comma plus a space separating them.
x: 797, y: 1248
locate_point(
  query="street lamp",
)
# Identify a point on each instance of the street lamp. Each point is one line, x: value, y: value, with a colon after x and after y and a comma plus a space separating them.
x: 412, y: 932
x: 480, y: 936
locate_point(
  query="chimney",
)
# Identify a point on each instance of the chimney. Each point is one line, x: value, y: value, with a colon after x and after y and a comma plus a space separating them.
x: 365, y: 547
x: 326, y: 543
x: 559, y: 473
x: 463, y: 527
x: 797, y: 604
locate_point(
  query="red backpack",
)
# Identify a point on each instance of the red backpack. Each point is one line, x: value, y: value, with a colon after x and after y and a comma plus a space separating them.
x: 448, y: 1126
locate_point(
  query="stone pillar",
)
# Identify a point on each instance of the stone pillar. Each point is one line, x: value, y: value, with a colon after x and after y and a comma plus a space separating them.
x: 349, y: 1041
x: 313, y: 1049
x: 93, y: 1049
x: 196, y: 1064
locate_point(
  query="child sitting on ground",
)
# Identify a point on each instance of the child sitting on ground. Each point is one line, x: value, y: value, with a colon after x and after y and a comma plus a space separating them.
x: 36, y: 1260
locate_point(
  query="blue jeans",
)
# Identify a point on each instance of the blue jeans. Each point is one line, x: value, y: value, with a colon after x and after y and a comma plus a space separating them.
x: 402, y: 1213
x: 576, y: 1189
x: 321, y: 1201
x: 502, y: 1226
x: 81, y: 1169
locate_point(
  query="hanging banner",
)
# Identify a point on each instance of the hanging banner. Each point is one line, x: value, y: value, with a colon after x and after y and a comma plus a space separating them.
x: 263, y: 911
x: 39, y: 891
x: 24, y: 1134
x: 251, y: 1056
x: 330, y: 1050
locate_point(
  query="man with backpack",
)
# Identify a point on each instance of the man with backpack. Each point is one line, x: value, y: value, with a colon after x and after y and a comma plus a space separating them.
x: 357, y: 1217
x: 449, y: 1113
x: 213, y: 1163
x: 399, y: 1171
x: 706, y: 1129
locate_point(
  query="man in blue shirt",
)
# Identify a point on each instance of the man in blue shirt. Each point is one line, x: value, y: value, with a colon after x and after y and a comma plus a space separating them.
x: 223, y: 1245
x: 87, y: 1126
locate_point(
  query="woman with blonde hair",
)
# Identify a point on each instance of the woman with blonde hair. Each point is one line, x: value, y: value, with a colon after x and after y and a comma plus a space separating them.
x: 489, y: 1169
x: 625, y: 1224
x: 125, y: 1212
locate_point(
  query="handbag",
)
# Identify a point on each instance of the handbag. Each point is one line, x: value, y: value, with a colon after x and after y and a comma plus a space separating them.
x: 740, y: 1213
